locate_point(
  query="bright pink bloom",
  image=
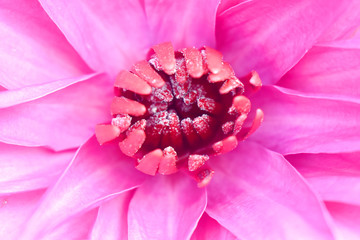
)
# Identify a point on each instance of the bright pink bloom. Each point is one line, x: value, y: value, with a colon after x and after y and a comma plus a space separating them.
x: 297, y: 177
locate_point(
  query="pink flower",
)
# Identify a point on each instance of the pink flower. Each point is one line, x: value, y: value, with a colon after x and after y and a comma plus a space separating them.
x: 297, y: 177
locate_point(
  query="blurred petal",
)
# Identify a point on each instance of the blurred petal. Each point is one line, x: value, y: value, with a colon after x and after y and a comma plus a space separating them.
x: 326, y: 72
x: 13, y: 97
x: 33, y: 50
x: 347, y: 220
x: 295, y: 124
x: 256, y: 194
x: 210, y: 229
x: 166, y: 207
x: 76, y: 228
x: 271, y: 36
x: 109, y: 35
x: 185, y: 23
x: 61, y: 120
x: 335, y: 176
x: 111, y: 222
x: 14, y: 212
x: 26, y: 168
x: 95, y: 174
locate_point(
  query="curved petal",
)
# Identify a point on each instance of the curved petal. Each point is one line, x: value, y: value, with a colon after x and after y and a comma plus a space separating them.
x: 256, y: 194
x: 185, y: 23
x: 96, y: 173
x: 78, y: 227
x: 209, y: 229
x: 336, y: 177
x: 318, y: 76
x: 15, y: 210
x: 110, y: 36
x: 14, y: 97
x: 347, y: 220
x: 61, y: 120
x: 33, y: 50
x: 271, y: 36
x: 111, y: 222
x: 166, y: 207
x: 295, y: 124
x: 26, y: 168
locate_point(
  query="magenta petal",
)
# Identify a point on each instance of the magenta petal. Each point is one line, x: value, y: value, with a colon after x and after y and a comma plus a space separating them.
x: 96, y: 173
x: 295, y: 124
x: 15, y: 210
x: 26, y: 168
x: 271, y: 36
x: 108, y: 35
x: 336, y: 177
x: 166, y: 207
x: 347, y: 220
x: 209, y: 229
x: 111, y: 222
x: 185, y: 23
x: 13, y: 97
x: 60, y: 120
x: 256, y: 194
x: 316, y: 76
x: 33, y: 50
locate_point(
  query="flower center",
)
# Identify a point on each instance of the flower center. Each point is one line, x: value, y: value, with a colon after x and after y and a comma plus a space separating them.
x: 179, y: 108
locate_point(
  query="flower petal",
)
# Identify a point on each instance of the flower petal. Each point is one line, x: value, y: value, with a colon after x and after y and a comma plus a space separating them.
x: 111, y: 222
x: 256, y: 194
x: 96, y: 173
x: 335, y: 176
x: 347, y: 220
x: 61, y: 120
x: 317, y: 76
x: 110, y: 36
x: 185, y: 23
x: 26, y: 168
x: 166, y: 207
x: 33, y: 50
x: 15, y: 210
x: 271, y: 36
x: 295, y: 124
x: 209, y: 229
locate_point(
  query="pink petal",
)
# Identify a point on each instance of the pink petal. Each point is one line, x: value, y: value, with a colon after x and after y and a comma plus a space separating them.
x: 76, y: 228
x: 61, y: 120
x: 33, y: 50
x: 347, y: 220
x: 95, y: 174
x: 271, y: 36
x: 316, y: 76
x: 346, y: 24
x: 295, y: 124
x: 185, y: 23
x: 110, y: 36
x: 26, y: 168
x: 336, y: 177
x: 111, y: 222
x: 13, y: 97
x: 256, y: 194
x: 210, y: 229
x: 166, y: 207
x: 14, y: 212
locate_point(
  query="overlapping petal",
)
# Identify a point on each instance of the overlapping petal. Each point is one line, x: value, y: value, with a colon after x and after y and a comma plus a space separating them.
x: 33, y: 50
x: 295, y: 124
x: 256, y: 194
x: 61, y: 120
x: 95, y: 174
x: 166, y: 207
x: 271, y: 36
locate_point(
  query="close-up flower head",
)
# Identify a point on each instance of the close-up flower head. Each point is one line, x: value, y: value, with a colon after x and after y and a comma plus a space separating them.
x: 180, y: 120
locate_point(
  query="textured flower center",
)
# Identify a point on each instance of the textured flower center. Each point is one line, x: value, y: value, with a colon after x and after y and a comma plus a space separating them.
x: 179, y: 108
